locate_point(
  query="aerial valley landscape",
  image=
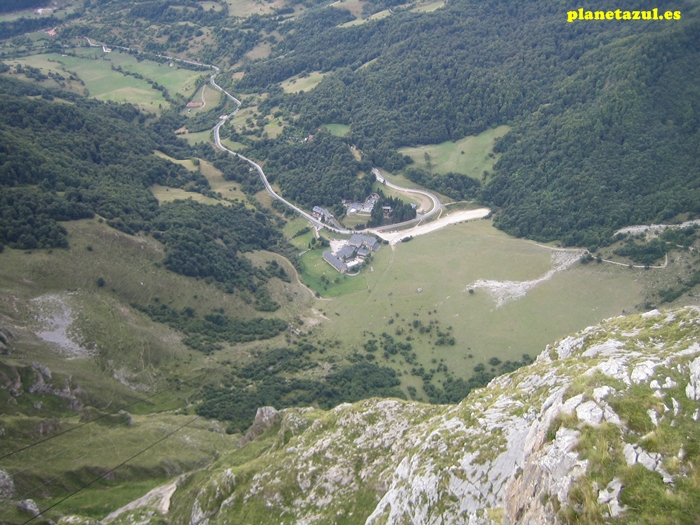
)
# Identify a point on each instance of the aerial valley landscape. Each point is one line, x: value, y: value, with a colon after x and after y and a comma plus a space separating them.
x: 349, y: 262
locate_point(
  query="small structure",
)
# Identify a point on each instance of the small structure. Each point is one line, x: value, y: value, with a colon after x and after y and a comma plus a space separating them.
x: 366, y: 241
x: 195, y: 104
x: 364, y: 208
x: 319, y: 213
x: 335, y: 262
x: 345, y: 253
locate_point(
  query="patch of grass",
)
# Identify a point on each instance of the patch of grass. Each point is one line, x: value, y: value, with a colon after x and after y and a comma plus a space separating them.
x: 245, y: 8
x: 321, y: 277
x: 354, y: 6
x: 339, y: 130
x: 470, y: 156
x: 296, y: 84
x: 187, y: 163
x: 78, y: 457
x: 262, y: 50
x: 194, y: 138
x: 102, y: 82
x: 429, y: 7
x: 443, y: 264
x: 166, y: 194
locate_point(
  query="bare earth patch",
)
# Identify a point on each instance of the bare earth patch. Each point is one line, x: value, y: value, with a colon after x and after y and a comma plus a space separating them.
x: 505, y: 291
x: 56, y: 318
x: 421, y: 229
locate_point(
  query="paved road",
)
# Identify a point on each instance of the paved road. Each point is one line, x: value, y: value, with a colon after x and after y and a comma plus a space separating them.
x: 256, y: 166
x: 437, y: 206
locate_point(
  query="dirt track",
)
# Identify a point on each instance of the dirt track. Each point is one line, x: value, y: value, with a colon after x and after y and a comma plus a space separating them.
x: 421, y: 229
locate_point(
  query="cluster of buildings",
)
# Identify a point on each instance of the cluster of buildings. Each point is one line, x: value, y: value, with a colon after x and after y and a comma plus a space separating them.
x: 362, y: 207
x: 321, y: 213
x: 352, y: 253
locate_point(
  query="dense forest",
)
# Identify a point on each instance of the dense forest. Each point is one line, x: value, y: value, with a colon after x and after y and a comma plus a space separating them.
x: 266, y: 382
x: 315, y: 170
x: 66, y: 161
x: 7, y: 6
x: 605, y: 128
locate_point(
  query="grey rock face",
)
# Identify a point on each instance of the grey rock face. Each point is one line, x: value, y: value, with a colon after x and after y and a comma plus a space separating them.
x: 7, y: 487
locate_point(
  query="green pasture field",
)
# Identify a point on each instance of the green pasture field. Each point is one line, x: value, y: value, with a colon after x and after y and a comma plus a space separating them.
x: 230, y: 191
x: 429, y: 7
x: 262, y: 50
x: 175, y: 79
x: 187, y: 163
x: 273, y: 128
x: 292, y: 227
x: 448, y: 156
x: 296, y: 84
x: 356, y: 22
x: 208, y: 5
x: 245, y: 8
x: 443, y: 264
x: 314, y: 266
x: 338, y: 130
x: 354, y: 6
x: 77, y: 457
x: 200, y: 136
x: 166, y: 194
x: 212, y: 97
x: 128, y: 266
x: 232, y: 145
x: 102, y: 82
x: 95, y: 69
x: 350, y: 221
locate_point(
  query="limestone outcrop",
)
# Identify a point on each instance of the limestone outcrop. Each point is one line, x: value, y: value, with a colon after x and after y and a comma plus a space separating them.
x: 603, y: 425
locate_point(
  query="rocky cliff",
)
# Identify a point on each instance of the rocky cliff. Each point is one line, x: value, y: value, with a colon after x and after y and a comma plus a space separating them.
x: 602, y: 427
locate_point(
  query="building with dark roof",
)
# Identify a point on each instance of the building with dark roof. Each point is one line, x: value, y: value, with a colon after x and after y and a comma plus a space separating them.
x: 335, y: 262
x: 358, y: 241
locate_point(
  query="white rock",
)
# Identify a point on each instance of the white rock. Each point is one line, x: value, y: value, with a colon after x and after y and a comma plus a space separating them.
x: 610, y: 415
x: 570, y: 405
x: 676, y: 406
x: 652, y: 313
x: 648, y: 460
x: 590, y: 413
x: 692, y: 389
x: 606, y: 348
x: 602, y: 392
x: 568, y: 345
x: 30, y: 506
x: 670, y: 383
x: 653, y: 416
x: 655, y: 385
x: 643, y: 371
x: 615, y: 368
x: 610, y: 496
x: 630, y: 454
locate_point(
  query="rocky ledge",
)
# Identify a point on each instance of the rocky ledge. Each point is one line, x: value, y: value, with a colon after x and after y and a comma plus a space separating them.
x: 602, y: 427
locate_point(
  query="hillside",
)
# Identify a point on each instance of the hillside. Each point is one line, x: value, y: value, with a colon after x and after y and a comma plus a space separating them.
x: 601, y: 426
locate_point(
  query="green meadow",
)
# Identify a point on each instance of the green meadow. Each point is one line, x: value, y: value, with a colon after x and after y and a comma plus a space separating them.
x: 297, y: 84
x: 339, y: 130
x: 429, y: 7
x: 322, y: 278
x: 94, y: 68
x: 469, y: 156
x: 428, y: 278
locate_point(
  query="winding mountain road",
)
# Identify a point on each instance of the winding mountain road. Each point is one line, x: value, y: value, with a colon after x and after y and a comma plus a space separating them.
x: 437, y: 205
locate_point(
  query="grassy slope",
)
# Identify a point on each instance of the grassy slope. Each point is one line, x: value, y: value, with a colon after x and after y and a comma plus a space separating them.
x: 296, y: 84
x: 95, y: 69
x: 443, y: 264
x: 469, y: 155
